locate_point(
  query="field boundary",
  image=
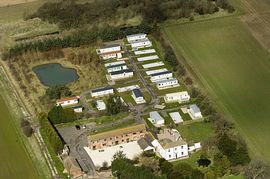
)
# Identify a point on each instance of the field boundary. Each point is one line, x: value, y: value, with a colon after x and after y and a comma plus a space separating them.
x: 37, y: 135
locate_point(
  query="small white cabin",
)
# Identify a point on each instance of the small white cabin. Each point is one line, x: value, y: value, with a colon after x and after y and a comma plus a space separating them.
x: 135, y: 37
x: 68, y: 101
x: 168, y: 83
x: 180, y: 97
x: 110, y: 51
x: 116, y: 75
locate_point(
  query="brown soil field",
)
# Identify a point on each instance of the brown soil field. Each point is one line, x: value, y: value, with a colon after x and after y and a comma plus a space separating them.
x: 257, y: 19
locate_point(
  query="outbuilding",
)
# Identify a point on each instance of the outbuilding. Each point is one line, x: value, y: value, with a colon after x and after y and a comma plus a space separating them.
x: 176, y: 117
x: 78, y: 109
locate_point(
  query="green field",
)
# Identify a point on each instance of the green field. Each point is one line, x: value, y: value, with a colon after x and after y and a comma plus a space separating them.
x: 235, y: 71
x: 15, y: 162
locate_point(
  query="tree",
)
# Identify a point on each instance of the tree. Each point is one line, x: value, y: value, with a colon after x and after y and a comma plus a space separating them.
x: 115, y: 105
x: 257, y: 169
x: 26, y: 127
x: 59, y: 115
x: 165, y: 167
x: 58, y: 91
x: 221, y: 165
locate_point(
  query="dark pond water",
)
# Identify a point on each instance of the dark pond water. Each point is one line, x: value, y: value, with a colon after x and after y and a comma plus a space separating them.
x: 55, y: 74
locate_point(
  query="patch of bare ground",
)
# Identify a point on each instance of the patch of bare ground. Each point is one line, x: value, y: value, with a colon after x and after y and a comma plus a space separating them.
x: 257, y: 19
x: 13, y: 2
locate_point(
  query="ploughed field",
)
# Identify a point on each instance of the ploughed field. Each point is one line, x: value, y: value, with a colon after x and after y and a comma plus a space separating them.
x: 235, y: 71
x: 15, y: 162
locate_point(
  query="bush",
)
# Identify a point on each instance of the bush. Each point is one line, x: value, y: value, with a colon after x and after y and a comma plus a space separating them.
x: 28, y: 131
x: 59, y: 115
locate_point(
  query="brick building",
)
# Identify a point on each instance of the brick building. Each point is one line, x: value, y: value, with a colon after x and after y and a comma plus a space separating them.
x: 115, y: 137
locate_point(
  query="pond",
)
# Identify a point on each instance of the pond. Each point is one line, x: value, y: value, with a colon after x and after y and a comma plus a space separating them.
x: 55, y: 74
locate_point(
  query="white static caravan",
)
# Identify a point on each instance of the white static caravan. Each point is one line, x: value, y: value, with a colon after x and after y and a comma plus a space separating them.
x: 176, y: 117
x: 117, y: 68
x: 147, y: 58
x: 168, y: 83
x: 116, y: 75
x: 127, y: 88
x: 160, y: 76
x: 147, y: 51
x: 150, y: 72
x: 135, y: 37
x: 180, y: 97
x: 138, y: 96
x: 143, y: 43
x: 107, y: 65
x: 102, y: 92
x: 110, y: 51
x: 68, y: 101
x: 152, y: 65
x: 100, y: 105
x: 156, y: 119
x: 194, y: 112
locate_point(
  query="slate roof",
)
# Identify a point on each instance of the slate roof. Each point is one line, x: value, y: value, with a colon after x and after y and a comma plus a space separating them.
x: 101, y: 89
x: 161, y: 73
x: 137, y: 93
x: 121, y: 71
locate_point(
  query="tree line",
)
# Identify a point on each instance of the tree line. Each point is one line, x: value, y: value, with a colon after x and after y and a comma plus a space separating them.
x: 69, y: 14
x: 49, y: 131
x: 77, y: 39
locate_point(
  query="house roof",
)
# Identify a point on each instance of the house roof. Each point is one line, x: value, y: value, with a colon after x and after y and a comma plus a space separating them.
x: 67, y: 99
x: 117, y: 132
x: 118, y: 65
x: 121, y: 71
x: 161, y: 73
x: 134, y: 35
x: 77, y: 107
x: 176, y: 117
x: 174, y: 144
x: 167, y: 80
x: 137, y: 93
x: 194, y: 108
x: 145, y: 142
x: 101, y: 89
x: 111, y: 45
x: 156, y: 116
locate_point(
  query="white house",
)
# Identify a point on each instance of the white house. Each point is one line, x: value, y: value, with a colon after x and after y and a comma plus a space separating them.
x: 110, y: 51
x: 194, y: 112
x: 138, y: 96
x: 127, y: 88
x: 156, y: 119
x: 162, y: 75
x: 100, y: 105
x: 180, y: 97
x: 176, y: 117
x: 147, y: 58
x: 168, y: 83
x: 171, y: 150
x: 142, y: 43
x: 117, y: 68
x: 116, y: 75
x: 147, y: 51
x: 68, y: 101
x: 152, y: 65
x: 150, y: 72
x: 107, y: 65
x: 102, y: 91
x: 78, y: 109
x: 135, y: 37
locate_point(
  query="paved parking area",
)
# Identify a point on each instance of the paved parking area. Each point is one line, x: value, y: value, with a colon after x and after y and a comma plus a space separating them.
x: 131, y: 149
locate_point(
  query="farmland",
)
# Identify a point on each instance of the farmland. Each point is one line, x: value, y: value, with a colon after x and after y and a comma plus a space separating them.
x: 15, y: 162
x: 234, y: 69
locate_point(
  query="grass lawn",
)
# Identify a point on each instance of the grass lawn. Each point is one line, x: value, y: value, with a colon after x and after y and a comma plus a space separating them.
x: 15, y: 161
x: 196, y: 132
x: 192, y: 161
x: 235, y: 71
